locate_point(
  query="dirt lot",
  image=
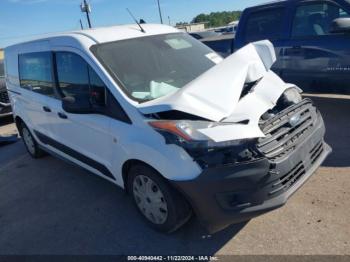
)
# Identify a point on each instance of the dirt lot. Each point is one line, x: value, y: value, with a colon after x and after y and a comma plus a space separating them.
x: 48, y: 206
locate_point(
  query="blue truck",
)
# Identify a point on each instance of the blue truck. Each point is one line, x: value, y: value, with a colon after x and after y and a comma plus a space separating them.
x: 311, y: 38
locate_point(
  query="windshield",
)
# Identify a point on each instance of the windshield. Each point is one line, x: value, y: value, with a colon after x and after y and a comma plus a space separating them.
x: 151, y: 67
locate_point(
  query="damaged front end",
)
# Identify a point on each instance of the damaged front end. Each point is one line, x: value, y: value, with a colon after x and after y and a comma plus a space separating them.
x: 246, y: 178
x: 182, y: 129
x: 257, y: 141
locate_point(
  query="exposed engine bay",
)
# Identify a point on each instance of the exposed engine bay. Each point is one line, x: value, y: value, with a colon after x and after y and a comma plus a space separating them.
x: 226, y: 103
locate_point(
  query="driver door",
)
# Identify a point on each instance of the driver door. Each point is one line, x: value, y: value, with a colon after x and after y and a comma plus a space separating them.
x: 82, y: 137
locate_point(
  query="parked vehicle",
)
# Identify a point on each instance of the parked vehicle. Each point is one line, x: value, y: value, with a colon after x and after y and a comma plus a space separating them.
x: 204, y: 34
x: 5, y: 106
x: 223, y: 44
x: 312, y: 41
x: 229, y: 29
x: 159, y: 114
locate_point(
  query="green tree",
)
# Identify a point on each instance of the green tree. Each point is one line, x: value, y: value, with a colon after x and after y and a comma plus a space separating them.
x: 215, y: 19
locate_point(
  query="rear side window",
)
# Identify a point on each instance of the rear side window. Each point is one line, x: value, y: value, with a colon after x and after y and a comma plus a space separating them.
x: 266, y: 24
x: 77, y: 79
x: 35, y: 72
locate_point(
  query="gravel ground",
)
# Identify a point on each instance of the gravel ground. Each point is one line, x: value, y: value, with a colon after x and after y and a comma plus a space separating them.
x: 48, y: 206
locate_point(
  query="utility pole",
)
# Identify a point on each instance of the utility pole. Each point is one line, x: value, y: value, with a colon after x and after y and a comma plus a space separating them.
x: 85, y: 8
x: 160, y: 13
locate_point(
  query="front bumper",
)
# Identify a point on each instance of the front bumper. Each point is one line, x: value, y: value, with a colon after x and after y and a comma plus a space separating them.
x: 234, y: 193
x: 5, y: 110
x: 5, y: 105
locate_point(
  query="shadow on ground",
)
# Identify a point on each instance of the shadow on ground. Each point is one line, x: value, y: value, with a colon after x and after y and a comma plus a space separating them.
x: 336, y: 114
x: 7, y: 137
x: 6, y: 120
x: 63, y: 209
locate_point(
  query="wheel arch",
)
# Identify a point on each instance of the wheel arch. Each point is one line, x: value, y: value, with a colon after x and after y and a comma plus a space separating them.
x: 18, y: 121
x: 126, y: 167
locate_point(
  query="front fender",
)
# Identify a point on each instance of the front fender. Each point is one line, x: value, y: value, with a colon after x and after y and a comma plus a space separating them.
x: 171, y: 161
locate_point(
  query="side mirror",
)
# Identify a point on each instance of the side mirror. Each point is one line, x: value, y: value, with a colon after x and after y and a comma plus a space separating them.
x: 77, y: 105
x: 340, y: 25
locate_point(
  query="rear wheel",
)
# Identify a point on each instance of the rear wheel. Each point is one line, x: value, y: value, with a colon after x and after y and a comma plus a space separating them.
x: 163, y: 208
x: 30, y: 143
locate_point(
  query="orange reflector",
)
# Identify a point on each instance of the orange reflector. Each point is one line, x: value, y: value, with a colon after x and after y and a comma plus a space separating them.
x: 171, y: 127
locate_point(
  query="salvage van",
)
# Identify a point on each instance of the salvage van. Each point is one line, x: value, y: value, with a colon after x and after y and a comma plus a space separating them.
x: 158, y: 113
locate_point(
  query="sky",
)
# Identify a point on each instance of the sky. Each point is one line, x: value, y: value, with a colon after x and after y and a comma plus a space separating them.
x: 25, y: 19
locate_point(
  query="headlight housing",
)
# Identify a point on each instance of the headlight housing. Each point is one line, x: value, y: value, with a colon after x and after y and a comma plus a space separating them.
x: 187, y: 134
x: 205, y: 151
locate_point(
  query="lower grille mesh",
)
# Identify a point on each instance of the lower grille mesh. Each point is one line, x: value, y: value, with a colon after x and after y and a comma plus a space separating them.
x: 286, y: 181
x: 316, y: 152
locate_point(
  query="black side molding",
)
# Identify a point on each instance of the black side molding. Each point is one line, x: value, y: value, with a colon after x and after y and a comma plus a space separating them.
x: 71, y: 152
x: 15, y: 92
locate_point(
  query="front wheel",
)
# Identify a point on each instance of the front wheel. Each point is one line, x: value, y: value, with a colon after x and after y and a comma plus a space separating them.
x: 163, y: 207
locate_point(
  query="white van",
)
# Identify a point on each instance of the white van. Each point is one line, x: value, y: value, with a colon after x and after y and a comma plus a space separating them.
x: 161, y: 115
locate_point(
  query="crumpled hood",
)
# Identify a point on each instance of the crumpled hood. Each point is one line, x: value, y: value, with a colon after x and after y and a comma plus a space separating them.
x: 215, y: 95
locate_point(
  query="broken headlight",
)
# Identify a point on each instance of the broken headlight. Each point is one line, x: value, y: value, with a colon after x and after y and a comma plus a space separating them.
x: 187, y: 132
x: 205, y: 151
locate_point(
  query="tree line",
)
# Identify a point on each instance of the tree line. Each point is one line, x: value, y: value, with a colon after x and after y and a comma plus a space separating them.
x: 216, y: 19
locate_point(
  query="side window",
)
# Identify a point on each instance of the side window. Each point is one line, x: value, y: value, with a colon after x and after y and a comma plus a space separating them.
x: 77, y: 79
x: 35, y: 71
x: 266, y: 24
x: 315, y: 19
x: 97, y: 88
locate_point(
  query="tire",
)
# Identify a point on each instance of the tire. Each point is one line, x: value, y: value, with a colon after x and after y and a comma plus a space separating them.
x: 30, y: 143
x: 161, y: 206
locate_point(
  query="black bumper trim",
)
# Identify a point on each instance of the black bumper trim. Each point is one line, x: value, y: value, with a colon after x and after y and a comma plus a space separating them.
x: 5, y: 110
x: 215, y: 218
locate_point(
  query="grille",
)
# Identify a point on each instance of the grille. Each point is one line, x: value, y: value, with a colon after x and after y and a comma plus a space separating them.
x: 287, y: 180
x: 316, y: 152
x: 281, y: 135
x: 4, y: 97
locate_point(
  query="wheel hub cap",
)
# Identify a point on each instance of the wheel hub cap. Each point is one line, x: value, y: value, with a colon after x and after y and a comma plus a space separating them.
x: 28, y: 140
x: 150, y: 200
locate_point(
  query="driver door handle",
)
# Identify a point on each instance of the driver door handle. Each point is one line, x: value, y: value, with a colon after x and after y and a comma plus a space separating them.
x: 62, y: 115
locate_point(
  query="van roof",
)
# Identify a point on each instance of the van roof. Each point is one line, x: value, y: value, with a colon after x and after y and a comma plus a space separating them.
x: 107, y: 34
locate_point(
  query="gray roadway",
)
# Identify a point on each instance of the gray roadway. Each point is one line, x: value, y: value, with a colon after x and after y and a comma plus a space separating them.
x: 48, y: 206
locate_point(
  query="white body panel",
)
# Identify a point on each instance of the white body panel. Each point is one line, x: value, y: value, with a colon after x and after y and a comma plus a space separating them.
x: 106, y: 140
x: 111, y: 142
x: 215, y: 95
